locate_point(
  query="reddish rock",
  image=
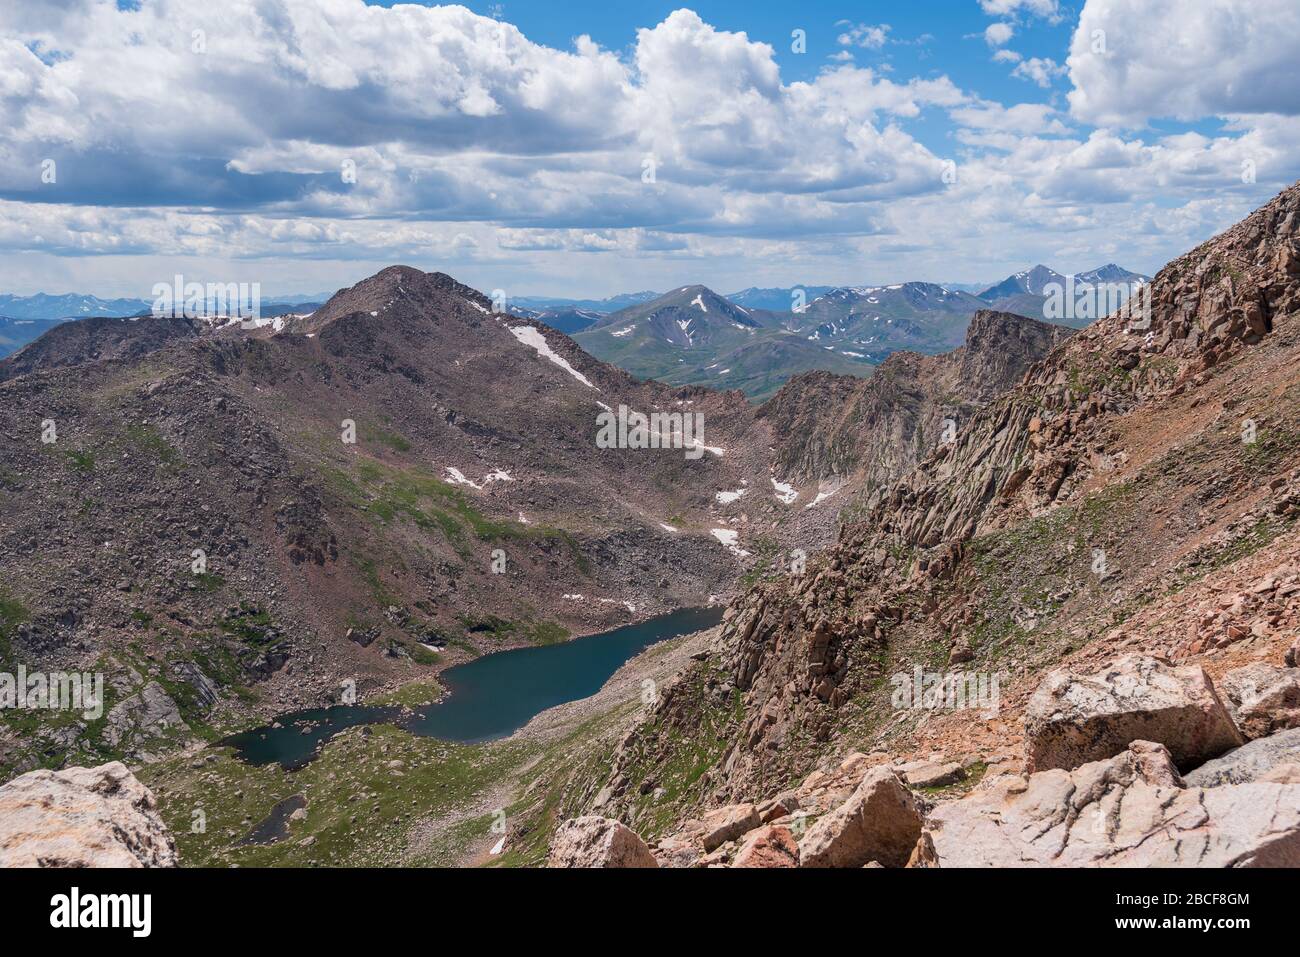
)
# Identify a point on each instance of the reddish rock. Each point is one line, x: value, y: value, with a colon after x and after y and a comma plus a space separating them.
x: 728, y: 823
x: 880, y: 821
x: 769, y: 846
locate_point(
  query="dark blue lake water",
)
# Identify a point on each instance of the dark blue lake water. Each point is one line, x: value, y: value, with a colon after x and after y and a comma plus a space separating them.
x: 488, y: 698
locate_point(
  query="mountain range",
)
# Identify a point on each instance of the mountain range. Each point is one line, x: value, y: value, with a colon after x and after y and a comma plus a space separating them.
x: 236, y: 523
x: 753, y: 340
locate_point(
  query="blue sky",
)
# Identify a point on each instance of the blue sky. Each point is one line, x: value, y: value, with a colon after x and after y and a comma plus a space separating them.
x: 586, y: 148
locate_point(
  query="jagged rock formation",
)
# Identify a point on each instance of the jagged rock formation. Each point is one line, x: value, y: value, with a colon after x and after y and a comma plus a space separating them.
x: 1142, y: 470
x: 82, y: 817
x: 869, y: 432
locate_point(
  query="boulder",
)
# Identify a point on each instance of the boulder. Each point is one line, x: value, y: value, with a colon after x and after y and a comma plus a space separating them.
x: 598, y: 842
x: 880, y: 821
x: 772, y: 845
x: 1250, y: 762
x: 82, y: 817
x: 1283, y: 774
x: 147, y: 714
x: 1128, y: 810
x: 931, y: 774
x: 783, y: 804
x: 728, y: 823
x: 1263, y: 698
x: 1074, y: 719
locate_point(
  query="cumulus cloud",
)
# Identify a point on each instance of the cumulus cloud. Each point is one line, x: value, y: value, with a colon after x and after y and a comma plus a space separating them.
x: 1213, y: 57
x: 996, y: 34
x: 342, y: 109
x: 1039, y: 70
x: 1049, y: 9
x: 330, y: 131
x: 863, y: 35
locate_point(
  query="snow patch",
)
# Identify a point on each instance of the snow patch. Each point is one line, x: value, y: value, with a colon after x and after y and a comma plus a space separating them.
x: 726, y: 498
x: 496, y: 475
x: 729, y: 537
x: 785, y: 493
x: 532, y: 337
x: 821, y: 497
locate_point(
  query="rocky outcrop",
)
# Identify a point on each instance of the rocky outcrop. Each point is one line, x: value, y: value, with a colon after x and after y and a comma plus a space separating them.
x: 1073, y: 719
x: 82, y: 817
x: 148, y: 714
x: 772, y: 845
x: 875, y: 430
x: 728, y: 823
x: 1250, y: 762
x: 1263, y: 698
x: 598, y: 842
x: 1129, y: 810
x: 881, y: 821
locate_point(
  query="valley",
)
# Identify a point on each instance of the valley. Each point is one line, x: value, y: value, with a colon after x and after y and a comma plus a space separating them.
x: 368, y: 590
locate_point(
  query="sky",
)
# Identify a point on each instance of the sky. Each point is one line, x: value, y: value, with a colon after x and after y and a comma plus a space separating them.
x: 585, y: 148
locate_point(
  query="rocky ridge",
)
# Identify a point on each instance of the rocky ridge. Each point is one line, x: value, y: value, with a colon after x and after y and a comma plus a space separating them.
x: 1143, y: 459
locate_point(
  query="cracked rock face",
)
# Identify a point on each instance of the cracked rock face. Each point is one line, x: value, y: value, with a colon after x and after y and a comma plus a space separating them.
x: 82, y: 817
x: 1073, y: 719
x: 1130, y: 810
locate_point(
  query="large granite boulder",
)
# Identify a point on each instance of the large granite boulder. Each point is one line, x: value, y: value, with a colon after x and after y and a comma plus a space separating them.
x: 1250, y: 762
x: 880, y: 821
x: 1073, y: 719
x: 1263, y: 698
x: 82, y: 817
x: 598, y: 842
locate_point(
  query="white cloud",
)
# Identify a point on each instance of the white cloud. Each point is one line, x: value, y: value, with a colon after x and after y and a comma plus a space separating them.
x: 1136, y: 60
x: 480, y: 152
x: 1049, y: 9
x: 863, y: 35
x: 1039, y: 70
x: 996, y: 34
x: 1030, y: 119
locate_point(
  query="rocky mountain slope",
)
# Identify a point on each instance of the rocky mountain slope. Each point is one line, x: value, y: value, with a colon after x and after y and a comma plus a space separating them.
x: 865, y: 432
x: 875, y: 321
x: 1136, y: 492
x: 230, y: 521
